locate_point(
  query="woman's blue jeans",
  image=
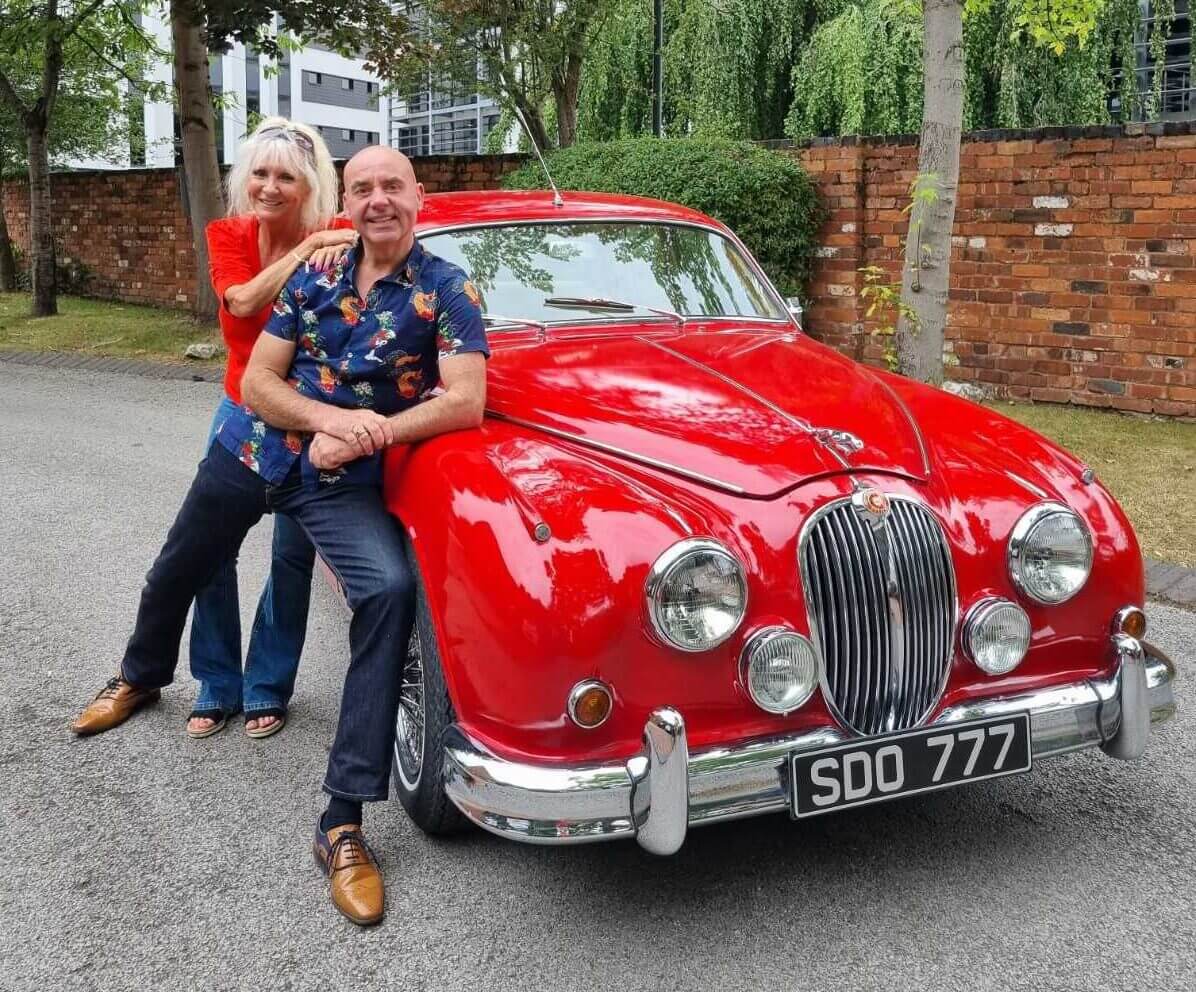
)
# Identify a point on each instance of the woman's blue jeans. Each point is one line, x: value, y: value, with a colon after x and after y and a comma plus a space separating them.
x: 279, y: 628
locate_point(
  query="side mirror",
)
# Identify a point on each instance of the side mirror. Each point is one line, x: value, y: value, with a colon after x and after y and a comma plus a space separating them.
x: 794, y: 306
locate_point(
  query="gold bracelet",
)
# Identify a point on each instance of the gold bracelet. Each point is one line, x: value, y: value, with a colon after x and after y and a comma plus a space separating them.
x: 299, y: 258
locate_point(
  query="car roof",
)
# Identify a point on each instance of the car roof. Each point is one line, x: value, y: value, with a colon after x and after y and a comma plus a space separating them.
x: 503, y: 206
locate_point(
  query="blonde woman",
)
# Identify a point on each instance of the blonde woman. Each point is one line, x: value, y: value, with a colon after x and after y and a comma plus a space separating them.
x: 282, y: 195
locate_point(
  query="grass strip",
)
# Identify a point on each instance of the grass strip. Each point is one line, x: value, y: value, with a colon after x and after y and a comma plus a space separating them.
x: 100, y: 327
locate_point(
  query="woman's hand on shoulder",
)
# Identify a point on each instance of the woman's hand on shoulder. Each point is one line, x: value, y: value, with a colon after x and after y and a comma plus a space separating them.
x: 327, y: 248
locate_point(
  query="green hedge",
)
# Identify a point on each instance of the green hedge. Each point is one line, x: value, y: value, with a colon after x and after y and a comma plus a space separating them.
x: 763, y: 196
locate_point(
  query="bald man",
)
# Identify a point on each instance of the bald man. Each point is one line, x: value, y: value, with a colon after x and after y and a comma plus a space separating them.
x: 344, y: 369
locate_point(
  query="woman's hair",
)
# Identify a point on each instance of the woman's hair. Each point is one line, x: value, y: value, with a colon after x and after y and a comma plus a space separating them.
x: 295, y: 147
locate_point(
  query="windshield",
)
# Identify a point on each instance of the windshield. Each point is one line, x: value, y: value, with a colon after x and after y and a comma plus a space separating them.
x: 686, y: 270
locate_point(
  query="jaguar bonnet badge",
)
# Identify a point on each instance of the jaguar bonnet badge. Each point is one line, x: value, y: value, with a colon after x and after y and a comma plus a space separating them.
x: 873, y: 502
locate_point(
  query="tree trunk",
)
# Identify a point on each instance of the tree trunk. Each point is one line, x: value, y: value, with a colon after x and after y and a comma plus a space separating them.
x: 201, y: 170
x: 43, y: 268
x: 533, y: 116
x: 926, y: 276
x: 565, y: 86
x: 8, y: 264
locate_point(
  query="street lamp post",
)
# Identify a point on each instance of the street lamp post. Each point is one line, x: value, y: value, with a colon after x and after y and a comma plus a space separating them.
x: 657, y: 68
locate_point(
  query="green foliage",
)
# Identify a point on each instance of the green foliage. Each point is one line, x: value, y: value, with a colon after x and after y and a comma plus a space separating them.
x: 860, y: 73
x: 529, y: 53
x: 885, y: 303
x: 765, y: 197
x: 1016, y: 80
x: 95, y: 113
x: 727, y: 68
x: 343, y: 25
x: 1160, y: 30
x: 1028, y: 63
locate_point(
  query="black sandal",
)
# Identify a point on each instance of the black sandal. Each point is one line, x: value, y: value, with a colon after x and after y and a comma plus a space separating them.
x: 260, y: 732
x: 219, y: 716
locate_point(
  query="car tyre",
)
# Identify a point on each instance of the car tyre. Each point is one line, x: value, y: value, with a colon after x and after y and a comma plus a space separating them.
x: 425, y: 711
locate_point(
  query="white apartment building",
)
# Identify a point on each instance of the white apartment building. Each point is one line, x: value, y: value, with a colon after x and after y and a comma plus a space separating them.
x: 327, y: 91
x: 442, y: 118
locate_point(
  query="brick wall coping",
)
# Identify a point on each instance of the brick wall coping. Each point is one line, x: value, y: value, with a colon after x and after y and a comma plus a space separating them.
x: 999, y: 134
x: 430, y: 161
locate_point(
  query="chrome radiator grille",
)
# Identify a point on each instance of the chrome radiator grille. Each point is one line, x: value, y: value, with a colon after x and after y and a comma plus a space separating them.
x: 880, y: 591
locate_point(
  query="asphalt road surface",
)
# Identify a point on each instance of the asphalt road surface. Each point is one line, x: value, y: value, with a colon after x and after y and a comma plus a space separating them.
x: 144, y: 860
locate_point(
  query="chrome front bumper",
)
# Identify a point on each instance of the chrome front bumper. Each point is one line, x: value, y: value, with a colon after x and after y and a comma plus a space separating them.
x: 659, y: 793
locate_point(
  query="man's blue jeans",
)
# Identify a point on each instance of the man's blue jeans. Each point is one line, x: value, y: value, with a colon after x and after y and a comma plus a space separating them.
x: 279, y: 628
x: 352, y: 531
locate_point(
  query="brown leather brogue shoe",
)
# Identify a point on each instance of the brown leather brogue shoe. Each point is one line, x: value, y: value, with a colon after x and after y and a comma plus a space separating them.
x: 355, y: 882
x: 113, y: 705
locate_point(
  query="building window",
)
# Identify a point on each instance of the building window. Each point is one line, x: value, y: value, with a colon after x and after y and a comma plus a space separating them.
x: 1176, y: 90
x: 315, y: 77
x: 346, y: 84
x: 346, y: 135
x: 284, y: 86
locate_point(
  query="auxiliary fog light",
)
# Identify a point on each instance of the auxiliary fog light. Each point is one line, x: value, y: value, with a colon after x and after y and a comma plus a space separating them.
x: 589, y: 704
x: 996, y: 635
x: 779, y: 668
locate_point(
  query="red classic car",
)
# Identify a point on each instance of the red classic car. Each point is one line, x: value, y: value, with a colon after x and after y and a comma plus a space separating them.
x: 696, y: 566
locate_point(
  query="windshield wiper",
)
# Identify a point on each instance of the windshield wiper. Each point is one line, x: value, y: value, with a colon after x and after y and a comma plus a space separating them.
x: 601, y: 303
x: 539, y: 325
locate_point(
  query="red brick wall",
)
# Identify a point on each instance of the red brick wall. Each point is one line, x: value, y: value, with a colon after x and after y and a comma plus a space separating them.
x: 1074, y: 270
x: 131, y: 233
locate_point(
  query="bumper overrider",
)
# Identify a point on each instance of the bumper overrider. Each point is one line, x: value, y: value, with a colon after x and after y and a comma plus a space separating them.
x: 659, y: 793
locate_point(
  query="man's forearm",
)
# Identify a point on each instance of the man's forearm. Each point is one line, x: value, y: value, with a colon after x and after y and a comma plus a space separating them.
x: 279, y: 405
x: 446, y: 412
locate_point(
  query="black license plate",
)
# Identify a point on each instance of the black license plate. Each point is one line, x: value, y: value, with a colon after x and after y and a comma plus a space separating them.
x: 861, y: 772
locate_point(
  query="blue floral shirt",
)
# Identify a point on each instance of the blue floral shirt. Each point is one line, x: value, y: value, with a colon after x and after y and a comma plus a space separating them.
x: 382, y: 353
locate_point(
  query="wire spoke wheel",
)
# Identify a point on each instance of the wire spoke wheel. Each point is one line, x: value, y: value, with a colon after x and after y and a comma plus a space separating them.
x: 409, y: 725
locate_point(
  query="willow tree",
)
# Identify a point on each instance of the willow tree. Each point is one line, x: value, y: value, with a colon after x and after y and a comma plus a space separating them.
x: 860, y: 71
x: 727, y: 68
x: 925, y: 278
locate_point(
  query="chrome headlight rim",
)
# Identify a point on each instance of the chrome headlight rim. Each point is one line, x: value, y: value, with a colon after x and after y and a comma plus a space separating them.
x: 663, y: 567
x: 981, y: 612
x: 759, y: 640
x: 1020, y: 536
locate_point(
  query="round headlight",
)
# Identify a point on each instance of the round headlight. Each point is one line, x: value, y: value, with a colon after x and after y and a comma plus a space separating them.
x: 996, y: 635
x: 697, y: 595
x: 779, y: 669
x: 1050, y: 553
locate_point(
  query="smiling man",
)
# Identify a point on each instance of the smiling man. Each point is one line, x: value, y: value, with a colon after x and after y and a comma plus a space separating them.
x: 346, y: 367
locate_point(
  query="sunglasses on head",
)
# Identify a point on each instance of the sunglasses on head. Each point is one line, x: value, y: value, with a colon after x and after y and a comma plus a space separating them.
x: 297, y: 136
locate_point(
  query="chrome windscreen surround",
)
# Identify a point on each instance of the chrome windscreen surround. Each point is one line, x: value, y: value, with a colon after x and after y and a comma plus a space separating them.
x: 664, y: 564
x: 1015, y: 552
x: 880, y: 594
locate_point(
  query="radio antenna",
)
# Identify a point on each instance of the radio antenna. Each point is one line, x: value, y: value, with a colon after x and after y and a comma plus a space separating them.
x: 557, y: 199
